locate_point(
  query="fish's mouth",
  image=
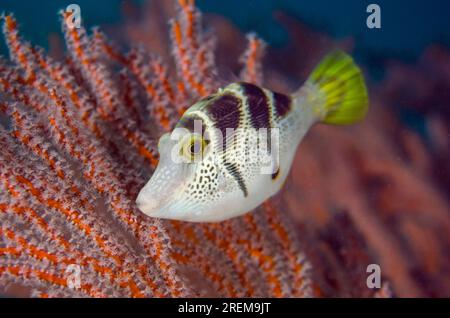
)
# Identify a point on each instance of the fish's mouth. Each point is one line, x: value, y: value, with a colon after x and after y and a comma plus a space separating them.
x: 150, y: 207
x: 162, y: 196
x: 153, y: 205
x: 161, y: 203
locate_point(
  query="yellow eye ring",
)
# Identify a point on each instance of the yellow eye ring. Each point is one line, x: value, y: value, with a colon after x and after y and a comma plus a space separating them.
x: 193, y: 147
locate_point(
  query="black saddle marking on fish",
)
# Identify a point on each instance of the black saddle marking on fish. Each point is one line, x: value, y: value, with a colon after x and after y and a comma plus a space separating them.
x: 259, y: 109
x: 226, y: 112
x: 188, y: 121
x: 258, y: 106
x: 234, y: 171
x: 282, y: 103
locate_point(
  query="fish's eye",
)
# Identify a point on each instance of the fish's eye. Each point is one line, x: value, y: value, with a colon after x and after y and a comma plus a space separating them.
x: 193, y: 147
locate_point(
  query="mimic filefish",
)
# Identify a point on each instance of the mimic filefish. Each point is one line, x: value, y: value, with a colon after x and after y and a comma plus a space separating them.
x: 232, y: 150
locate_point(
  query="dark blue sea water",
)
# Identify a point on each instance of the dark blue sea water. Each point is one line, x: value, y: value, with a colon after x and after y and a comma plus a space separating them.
x: 407, y: 26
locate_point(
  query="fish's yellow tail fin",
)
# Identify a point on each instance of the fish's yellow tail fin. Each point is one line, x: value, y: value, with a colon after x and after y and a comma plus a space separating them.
x: 343, y: 91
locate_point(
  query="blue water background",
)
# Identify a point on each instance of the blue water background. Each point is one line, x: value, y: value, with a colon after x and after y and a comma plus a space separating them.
x: 407, y: 26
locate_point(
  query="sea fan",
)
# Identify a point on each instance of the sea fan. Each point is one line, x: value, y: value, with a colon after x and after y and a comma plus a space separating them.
x: 78, y: 141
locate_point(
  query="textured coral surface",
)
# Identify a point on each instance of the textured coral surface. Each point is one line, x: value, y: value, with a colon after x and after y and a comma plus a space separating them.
x: 78, y: 136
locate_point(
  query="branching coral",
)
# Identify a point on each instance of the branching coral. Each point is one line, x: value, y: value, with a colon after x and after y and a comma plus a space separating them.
x: 77, y: 144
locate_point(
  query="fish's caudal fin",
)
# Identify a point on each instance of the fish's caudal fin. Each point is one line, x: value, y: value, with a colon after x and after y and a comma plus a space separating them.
x: 342, y: 94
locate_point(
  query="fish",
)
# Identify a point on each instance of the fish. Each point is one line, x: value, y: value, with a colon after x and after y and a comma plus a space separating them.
x: 232, y: 150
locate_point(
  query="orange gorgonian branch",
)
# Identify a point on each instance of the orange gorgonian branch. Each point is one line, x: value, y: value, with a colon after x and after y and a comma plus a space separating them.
x: 78, y: 140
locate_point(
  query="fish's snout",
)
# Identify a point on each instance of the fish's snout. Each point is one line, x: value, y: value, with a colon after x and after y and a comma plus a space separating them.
x: 150, y: 206
x: 160, y: 197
